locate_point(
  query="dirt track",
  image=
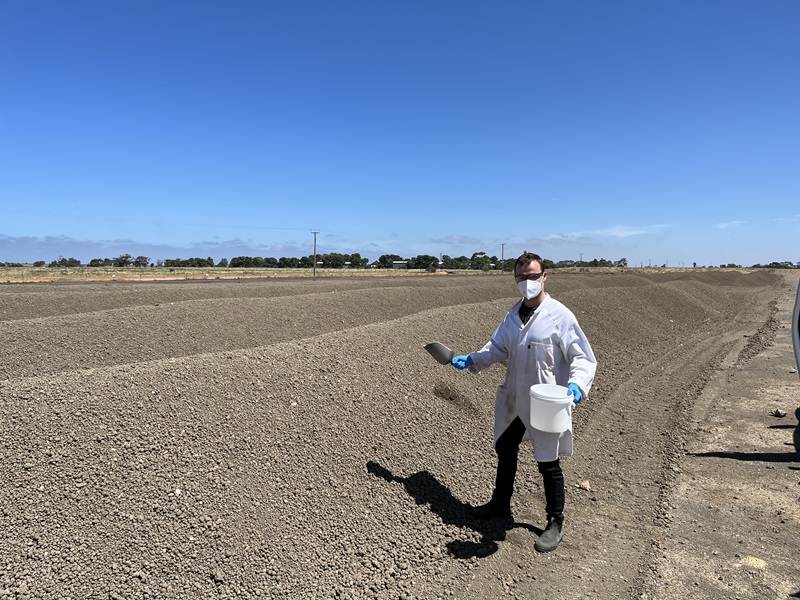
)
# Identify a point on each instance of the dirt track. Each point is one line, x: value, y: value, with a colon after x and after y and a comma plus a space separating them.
x: 291, y: 439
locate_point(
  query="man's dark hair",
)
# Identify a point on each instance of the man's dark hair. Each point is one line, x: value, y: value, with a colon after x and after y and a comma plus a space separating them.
x: 527, y: 258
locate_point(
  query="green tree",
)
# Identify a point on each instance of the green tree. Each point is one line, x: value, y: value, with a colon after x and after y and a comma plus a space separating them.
x: 307, y: 262
x: 480, y: 261
x: 505, y: 264
x: 123, y: 260
x: 223, y: 262
x: 333, y: 260
x: 357, y: 262
x: 459, y: 262
x: 141, y: 261
x: 65, y: 262
x: 385, y: 260
x: 600, y: 263
x: 423, y: 261
x: 238, y: 262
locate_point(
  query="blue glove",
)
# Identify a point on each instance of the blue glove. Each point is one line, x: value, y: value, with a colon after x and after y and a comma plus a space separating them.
x: 462, y: 361
x: 575, y: 392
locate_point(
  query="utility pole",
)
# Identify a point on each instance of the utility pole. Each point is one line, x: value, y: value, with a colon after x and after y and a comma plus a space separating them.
x: 503, y: 255
x: 315, y: 232
x: 580, y: 262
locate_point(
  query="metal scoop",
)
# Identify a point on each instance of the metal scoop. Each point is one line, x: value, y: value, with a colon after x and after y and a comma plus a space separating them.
x: 440, y: 352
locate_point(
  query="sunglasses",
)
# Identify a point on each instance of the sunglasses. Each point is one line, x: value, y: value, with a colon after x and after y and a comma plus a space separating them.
x: 531, y: 277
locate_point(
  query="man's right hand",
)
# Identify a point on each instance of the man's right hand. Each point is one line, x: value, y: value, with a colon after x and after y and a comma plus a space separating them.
x: 462, y: 361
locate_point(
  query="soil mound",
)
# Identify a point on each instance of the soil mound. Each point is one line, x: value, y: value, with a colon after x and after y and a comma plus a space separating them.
x: 290, y: 439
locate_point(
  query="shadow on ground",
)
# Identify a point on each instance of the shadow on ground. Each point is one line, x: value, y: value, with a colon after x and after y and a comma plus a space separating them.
x: 424, y: 488
x: 777, y: 457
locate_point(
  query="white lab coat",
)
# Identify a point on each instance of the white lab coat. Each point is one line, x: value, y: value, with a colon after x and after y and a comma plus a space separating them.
x: 550, y: 348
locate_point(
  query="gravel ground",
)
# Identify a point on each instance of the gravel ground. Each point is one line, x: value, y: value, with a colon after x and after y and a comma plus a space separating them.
x: 292, y: 439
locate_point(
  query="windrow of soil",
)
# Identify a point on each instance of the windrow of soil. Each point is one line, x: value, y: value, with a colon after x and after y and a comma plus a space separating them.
x: 287, y: 439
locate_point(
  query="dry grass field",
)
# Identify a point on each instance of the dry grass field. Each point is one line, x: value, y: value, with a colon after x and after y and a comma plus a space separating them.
x: 83, y: 273
x: 290, y: 438
x: 29, y: 274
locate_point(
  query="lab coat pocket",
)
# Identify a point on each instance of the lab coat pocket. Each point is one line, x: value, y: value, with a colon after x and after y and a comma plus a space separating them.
x: 542, y: 361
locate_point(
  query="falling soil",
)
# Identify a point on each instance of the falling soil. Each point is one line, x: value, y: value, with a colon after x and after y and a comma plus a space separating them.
x: 293, y: 439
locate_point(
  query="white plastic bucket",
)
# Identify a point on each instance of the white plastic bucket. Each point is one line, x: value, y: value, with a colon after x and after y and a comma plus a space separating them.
x: 551, y: 408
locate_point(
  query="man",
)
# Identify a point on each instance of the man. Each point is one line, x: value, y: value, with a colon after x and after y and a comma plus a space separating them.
x: 542, y: 343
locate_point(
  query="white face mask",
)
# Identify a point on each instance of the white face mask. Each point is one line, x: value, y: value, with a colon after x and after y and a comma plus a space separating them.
x: 529, y: 289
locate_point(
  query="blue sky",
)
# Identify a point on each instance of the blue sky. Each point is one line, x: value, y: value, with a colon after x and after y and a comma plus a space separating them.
x: 663, y: 132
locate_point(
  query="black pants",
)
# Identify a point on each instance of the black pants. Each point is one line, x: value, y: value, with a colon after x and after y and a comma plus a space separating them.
x: 507, y: 448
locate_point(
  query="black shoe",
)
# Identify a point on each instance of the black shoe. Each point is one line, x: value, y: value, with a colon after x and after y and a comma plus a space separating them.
x: 551, y: 537
x: 494, y: 509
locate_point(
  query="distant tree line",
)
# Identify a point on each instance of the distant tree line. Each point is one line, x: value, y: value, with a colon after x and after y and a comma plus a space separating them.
x: 333, y: 260
x: 779, y: 265
x: 125, y: 260
x: 478, y: 261
x: 187, y: 262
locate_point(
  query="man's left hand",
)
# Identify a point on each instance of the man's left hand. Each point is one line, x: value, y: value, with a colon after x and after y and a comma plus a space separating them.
x: 575, y: 392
